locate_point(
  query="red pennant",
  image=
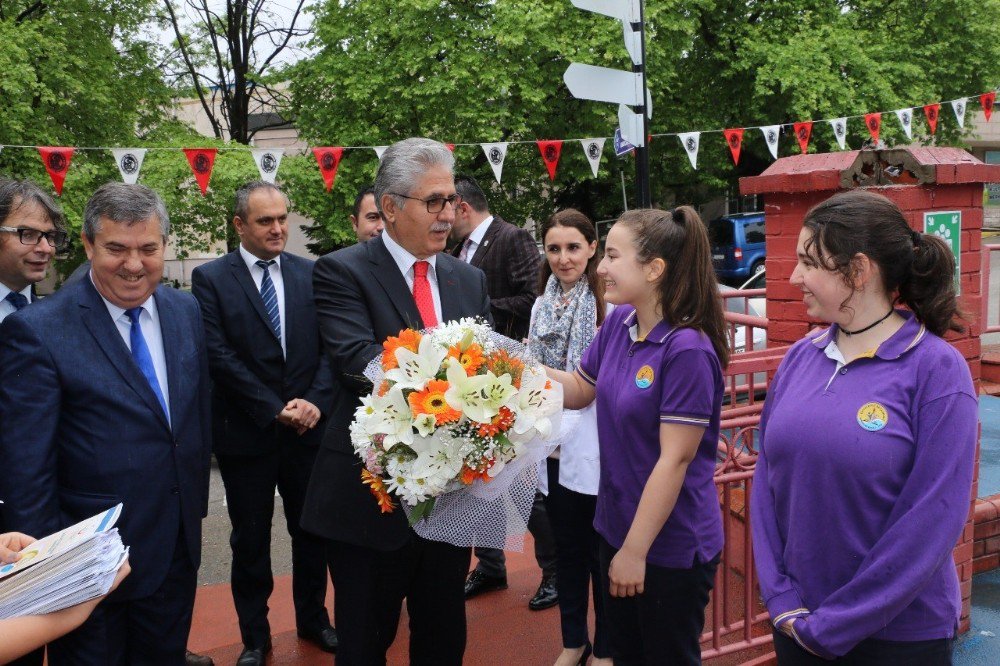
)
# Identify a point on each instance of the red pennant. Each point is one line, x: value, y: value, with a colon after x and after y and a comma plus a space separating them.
x: 802, y: 132
x: 873, y: 121
x: 328, y: 160
x: 202, y: 160
x: 450, y: 146
x: 734, y: 139
x: 932, y: 111
x: 550, y: 151
x: 56, y: 160
x: 987, y: 100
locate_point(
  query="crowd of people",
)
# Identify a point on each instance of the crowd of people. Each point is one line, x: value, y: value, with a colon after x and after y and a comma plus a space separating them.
x: 118, y: 388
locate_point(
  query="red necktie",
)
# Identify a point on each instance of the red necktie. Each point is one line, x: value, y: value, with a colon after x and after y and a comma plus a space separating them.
x: 422, y: 294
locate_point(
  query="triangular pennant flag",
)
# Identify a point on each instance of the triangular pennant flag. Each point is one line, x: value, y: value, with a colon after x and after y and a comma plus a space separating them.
x: 380, y: 150
x: 690, y: 142
x: 550, y: 151
x: 495, y: 155
x: 840, y: 131
x: 268, y: 160
x: 873, y: 121
x: 906, y: 120
x: 129, y: 161
x: 958, y: 106
x: 56, y: 160
x: 932, y: 111
x: 803, y: 131
x: 450, y: 146
x: 593, y: 149
x: 328, y: 159
x: 734, y: 139
x: 771, y: 137
x: 987, y: 100
x: 201, y: 160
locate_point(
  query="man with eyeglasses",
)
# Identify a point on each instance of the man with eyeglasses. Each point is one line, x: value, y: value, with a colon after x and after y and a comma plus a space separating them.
x: 364, y: 294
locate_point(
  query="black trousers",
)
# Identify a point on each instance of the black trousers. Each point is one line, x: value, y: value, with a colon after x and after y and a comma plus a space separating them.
x: 141, y: 632
x: 869, y: 652
x: 370, y: 588
x: 578, y: 567
x: 662, y: 625
x: 250, y: 483
x: 493, y: 562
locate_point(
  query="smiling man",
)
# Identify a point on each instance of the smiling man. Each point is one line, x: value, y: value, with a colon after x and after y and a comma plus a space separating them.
x: 364, y: 294
x: 104, y: 400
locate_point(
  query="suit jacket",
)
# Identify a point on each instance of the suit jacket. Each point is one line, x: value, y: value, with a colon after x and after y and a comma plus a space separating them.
x: 361, y: 299
x: 509, y: 257
x: 81, y: 430
x: 252, y: 381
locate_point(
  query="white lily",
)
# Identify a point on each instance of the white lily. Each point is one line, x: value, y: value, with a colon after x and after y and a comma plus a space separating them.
x: 532, y: 406
x: 479, y: 398
x: 425, y: 424
x: 415, y: 370
x: 395, y: 420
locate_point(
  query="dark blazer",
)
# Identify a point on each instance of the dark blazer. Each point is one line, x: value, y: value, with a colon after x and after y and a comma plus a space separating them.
x: 81, y: 430
x: 509, y: 257
x: 361, y: 299
x: 252, y: 381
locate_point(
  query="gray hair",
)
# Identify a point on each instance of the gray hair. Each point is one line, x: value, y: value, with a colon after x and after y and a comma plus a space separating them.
x: 125, y: 204
x: 16, y: 193
x: 241, y: 204
x: 404, y: 162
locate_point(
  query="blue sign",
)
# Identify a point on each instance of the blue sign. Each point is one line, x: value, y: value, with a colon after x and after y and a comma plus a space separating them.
x: 621, y: 145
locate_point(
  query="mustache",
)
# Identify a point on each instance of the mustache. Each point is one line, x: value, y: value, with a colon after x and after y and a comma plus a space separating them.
x: 441, y: 226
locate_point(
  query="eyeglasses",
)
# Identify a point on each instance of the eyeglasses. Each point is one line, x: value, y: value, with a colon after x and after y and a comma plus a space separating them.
x: 56, y: 239
x: 434, y: 204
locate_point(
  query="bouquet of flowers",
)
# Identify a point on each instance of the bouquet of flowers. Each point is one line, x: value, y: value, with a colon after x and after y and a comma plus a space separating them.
x: 454, y: 407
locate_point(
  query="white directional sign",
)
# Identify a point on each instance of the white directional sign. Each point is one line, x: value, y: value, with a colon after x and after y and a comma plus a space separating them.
x: 633, y: 42
x: 626, y: 10
x: 603, y: 84
x: 630, y: 124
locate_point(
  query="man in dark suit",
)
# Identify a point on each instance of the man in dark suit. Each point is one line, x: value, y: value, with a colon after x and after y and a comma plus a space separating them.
x: 509, y: 257
x: 271, y: 385
x: 364, y: 294
x: 104, y: 399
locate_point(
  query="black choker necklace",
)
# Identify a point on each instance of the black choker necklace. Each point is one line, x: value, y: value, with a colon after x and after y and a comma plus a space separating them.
x: 869, y: 326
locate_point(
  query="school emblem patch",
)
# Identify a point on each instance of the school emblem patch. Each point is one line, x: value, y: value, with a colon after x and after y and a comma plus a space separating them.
x: 873, y: 416
x: 644, y: 378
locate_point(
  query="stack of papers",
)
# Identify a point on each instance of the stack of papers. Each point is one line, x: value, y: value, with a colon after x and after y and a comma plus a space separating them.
x: 64, y: 569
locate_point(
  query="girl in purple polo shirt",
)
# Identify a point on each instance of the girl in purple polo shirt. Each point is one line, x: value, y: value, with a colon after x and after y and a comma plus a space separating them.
x: 655, y: 368
x: 868, y: 439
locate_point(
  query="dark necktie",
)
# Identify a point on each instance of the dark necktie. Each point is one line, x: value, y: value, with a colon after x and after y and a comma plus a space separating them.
x: 17, y: 299
x: 270, y: 297
x: 140, y: 352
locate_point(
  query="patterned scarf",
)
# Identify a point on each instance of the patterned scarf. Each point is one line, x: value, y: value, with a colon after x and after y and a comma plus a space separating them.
x: 564, y: 324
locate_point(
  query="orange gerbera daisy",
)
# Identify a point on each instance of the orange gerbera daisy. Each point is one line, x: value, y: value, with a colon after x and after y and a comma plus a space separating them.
x: 431, y: 401
x: 470, y: 474
x: 500, y: 423
x: 377, y: 488
x: 503, y: 363
x: 471, y: 357
x: 407, y: 338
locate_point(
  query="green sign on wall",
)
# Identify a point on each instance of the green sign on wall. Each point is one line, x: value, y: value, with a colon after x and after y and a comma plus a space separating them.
x: 947, y: 225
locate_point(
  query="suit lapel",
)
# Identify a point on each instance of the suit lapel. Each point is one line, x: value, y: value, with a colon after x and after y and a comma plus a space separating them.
x: 385, y: 270
x: 241, y: 274
x: 174, y: 344
x: 296, y: 287
x: 105, y: 332
x: 484, y: 247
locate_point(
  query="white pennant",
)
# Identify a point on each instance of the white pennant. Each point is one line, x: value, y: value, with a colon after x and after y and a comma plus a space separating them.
x: 690, y: 142
x: 771, y: 134
x: 958, y: 106
x: 379, y: 150
x: 906, y: 120
x: 129, y: 161
x: 593, y: 148
x: 839, y: 130
x: 267, y: 160
x: 496, y: 153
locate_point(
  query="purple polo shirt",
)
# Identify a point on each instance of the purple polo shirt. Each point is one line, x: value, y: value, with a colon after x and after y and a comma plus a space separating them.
x: 862, y: 488
x: 673, y: 376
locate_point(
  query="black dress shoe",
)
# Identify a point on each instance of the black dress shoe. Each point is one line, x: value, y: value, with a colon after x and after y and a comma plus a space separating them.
x: 546, y: 596
x: 325, y: 639
x: 192, y: 659
x: 477, y: 583
x: 254, y: 656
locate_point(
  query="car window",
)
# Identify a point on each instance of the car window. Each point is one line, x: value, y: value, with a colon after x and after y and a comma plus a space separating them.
x: 720, y: 232
x: 754, y: 232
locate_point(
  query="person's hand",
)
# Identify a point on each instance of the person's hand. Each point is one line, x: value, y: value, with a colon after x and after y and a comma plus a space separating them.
x: 124, y: 570
x: 11, y: 543
x: 627, y: 573
x: 300, y: 414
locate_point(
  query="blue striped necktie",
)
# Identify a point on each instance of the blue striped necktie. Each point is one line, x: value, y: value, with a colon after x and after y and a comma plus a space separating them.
x: 142, y: 357
x: 270, y: 297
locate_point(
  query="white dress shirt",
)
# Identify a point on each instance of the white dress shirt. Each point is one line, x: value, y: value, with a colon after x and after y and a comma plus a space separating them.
x: 476, y: 238
x: 6, y: 307
x: 257, y: 273
x: 405, y: 261
x: 149, y: 322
